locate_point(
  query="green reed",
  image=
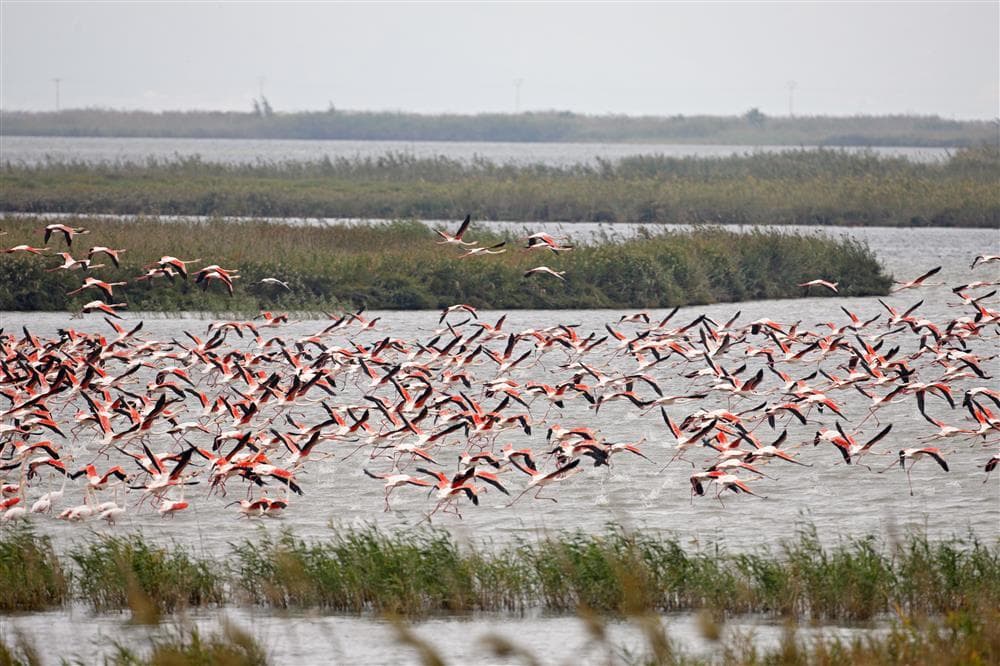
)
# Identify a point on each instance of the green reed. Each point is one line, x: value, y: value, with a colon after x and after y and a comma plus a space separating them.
x: 415, y: 572
x: 620, y: 572
x: 401, y: 266
x: 825, y: 187
x: 31, y: 575
x: 186, y: 645
x: 130, y: 572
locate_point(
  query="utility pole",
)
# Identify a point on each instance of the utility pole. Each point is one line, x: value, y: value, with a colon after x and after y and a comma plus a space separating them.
x: 792, y: 85
x: 517, y: 95
x: 56, y: 81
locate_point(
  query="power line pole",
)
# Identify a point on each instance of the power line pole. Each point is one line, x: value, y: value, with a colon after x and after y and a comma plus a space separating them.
x: 517, y: 95
x: 56, y: 81
x: 792, y: 85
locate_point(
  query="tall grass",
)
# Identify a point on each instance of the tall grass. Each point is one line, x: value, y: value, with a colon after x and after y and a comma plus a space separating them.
x: 129, y: 572
x: 415, y: 572
x: 31, y: 575
x: 400, y: 266
x: 799, y: 187
x: 619, y: 572
x: 186, y: 645
x: 358, y: 571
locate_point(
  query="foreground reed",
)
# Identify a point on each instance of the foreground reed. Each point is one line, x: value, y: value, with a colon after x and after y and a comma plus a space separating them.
x: 31, y: 575
x: 426, y: 571
x: 119, y: 572
x: 189, y: 646
x: 800, y: 187
x: 400, y: 266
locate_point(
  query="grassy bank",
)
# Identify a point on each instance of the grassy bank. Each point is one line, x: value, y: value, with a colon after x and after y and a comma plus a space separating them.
x: 414, y: 573
x: 400, y: 266
x: 802, y: 187
x: 751, y: 128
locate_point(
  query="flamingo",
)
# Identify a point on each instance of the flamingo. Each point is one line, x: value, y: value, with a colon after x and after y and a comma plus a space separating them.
x: 478, y: 251
x: 110, y: 252
x: 984, y: 259
x: 913, y: 455
x: 457, y: 238
x: 70, y: 264
x: 545, y: 270
x: 106, y: 288
x: 26, y: 248
x: 832, y: 286
x: 393, y: 481
x: 539, y: 479
x: 916, y: 282
x: 67, y: 232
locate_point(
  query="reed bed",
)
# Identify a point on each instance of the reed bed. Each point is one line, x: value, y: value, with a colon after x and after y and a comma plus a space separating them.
x: 825, y: 187
x: 129, y: 572
x: 400, y: 266
x: 417, y: 572
x: 31, y: 575
x: 186, y: 645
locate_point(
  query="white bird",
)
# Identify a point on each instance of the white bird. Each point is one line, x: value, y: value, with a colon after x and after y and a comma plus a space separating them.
x: 832, y: 286
x: 985, y: 259
x: 547, y: 270
x: 276, y: 281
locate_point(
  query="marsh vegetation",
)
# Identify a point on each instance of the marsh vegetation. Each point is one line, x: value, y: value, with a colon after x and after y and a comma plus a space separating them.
x: 824, y: 187
x: 400, y: 266
x: 751, y: 128
x: 422, y: 571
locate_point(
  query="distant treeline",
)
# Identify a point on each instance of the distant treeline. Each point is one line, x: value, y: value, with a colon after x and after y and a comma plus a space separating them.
x: 826, y: 187
x: 402, y: 267
x: 751, y: 128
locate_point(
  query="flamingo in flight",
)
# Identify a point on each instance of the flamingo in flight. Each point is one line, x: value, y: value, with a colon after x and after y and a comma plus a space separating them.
x: 67, y: 232
x: 832, y: 286
x: 457, y: 238
x: 916, y: 282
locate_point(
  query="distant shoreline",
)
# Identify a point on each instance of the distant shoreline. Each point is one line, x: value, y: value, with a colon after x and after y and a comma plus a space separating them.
x: 750, y: 128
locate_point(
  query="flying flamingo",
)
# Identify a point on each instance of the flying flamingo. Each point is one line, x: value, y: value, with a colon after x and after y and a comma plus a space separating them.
x: 916, y: 282
x: 457, y: 238
x: 915, y: 454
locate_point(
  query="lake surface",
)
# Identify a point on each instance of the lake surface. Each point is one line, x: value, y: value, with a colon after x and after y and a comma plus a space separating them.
x: 841, y: 501
x: 320, y: 638
x: 634, y: 492
x: 36, y: 150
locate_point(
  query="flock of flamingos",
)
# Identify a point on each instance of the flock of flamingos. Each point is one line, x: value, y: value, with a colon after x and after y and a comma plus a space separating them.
x: 102, y: 424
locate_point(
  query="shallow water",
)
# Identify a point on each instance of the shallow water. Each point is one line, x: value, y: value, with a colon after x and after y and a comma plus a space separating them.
x: 315, y: 638
x: 840, y: 500
x: 38, y: 149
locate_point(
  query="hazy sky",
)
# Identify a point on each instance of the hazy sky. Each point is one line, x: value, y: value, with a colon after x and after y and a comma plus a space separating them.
x: 640, y: 58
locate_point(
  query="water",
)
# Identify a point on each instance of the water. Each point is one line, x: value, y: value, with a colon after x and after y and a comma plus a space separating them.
x: 841, y: 501
x: 36, y: 150
x: 315, y: 638
x: 634, y: 492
